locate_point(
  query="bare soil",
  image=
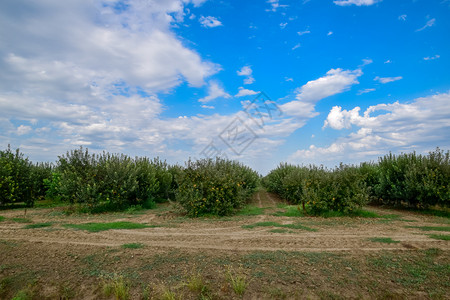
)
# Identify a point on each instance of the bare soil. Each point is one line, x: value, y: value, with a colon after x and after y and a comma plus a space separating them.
x: 337, y: 260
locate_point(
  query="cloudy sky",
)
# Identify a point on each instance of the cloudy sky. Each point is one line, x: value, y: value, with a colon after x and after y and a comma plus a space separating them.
x: 342, y: 80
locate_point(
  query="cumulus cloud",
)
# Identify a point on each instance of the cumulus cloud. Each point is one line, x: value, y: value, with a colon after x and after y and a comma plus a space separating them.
x: 334, y: 82
x: 384, y: 80
x: 385, y: 127
x: 429, y: 23
x: 245, y: 92
x: 246, y: 71
x: 86, y: 73
x: 356, y: 2
x: 214, y: 91
x: 210, y: 22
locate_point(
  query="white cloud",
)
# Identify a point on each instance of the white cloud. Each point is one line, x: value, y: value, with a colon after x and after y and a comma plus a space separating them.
x: 246, y: 71
x: 23, y: 129
x: 208, y: 106
x: 249, y: 80
x: 296, y: 46
x: 283, y: 25
x: 334, y: 82
x: 289, y: 79
x: 340, y: 119
x: 210, y: 22
x: 432, y: 57
x: 275, y: 4
x: 365, y: 91
x: 245, y: 92
x: 396, y: 127
x: 356, y: 2
x: 214, y: 91
x: 429, y: 23
x: 329, y: 33
x: 387, y: 79
x: 388, y: 61
x: 402, y: 17
x: 303, y: 32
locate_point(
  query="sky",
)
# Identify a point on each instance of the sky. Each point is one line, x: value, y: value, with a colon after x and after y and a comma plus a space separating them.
x: 259, y: 81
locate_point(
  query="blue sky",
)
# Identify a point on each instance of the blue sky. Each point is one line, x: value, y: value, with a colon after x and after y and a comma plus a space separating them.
x: 343, y: 81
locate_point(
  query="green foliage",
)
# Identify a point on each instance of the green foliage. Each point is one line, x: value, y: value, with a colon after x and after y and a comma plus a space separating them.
x: 414, y: 180
x: 215, y: 187
x: 16, y: 180
x: 106, y: 182
x: 319, y: 190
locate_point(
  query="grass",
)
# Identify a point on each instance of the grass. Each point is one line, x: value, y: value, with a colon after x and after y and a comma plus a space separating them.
x: 238, y: 282
x: 279, y: 230
x: 251, y: 210
x: 38, y: 225
x: 96, y: 227
x: 2, y: 218
x: 431, y: 228
x: 275, y: 224
x: 444, y: 237
x: 196, y: 283
x: 291, y: 211
x: 133, y: 246
x: 383, y: 240
x: 22, y: 220
x: 117, y: 286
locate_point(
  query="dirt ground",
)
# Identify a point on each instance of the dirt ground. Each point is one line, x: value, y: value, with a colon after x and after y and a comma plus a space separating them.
x: 321, y: 258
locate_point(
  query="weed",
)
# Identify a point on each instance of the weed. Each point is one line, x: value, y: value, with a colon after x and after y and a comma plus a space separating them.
x: 291, y: 211
x: 431, y: 228
x: 66, y: 292
x: 26, y: 293
x: 22, y: 220
x: 168, y: 295
x: 96, y: 227
x: 251, y: 210
x: 278, y: 230
x: 2, y: 218
x: 5, y: 285
x: 196, y: 283
x: 275, y: 224
x: 117, y: 286
x: 238, y: 282
x: 386, y: 240
x: 133, y: 246
x: 444, y: 237
x: 38, y: 225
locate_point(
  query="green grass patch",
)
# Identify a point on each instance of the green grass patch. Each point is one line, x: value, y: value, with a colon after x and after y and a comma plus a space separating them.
x: 278, y: 225
x: 96, y: 227
x: 22, y: 220
x: 444, y: 237
x: 38, y: 225
x: 278, y: 230
x: 383, y: 240
x: 2, y: 218
x: 133, y: 246
x: 291, y: 211
x: 431, y: 228
x: 251, y: 210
